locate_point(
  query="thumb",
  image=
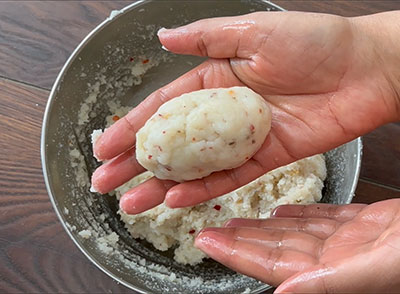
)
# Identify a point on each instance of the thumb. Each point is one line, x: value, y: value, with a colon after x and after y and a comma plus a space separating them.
x: 224, y: 37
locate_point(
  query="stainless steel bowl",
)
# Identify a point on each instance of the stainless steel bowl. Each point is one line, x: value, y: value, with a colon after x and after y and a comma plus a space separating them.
x: 107, y: 49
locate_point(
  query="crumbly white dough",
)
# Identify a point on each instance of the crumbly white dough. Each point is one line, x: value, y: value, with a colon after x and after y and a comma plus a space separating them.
x: 298, y: 183
x: 197, y: 133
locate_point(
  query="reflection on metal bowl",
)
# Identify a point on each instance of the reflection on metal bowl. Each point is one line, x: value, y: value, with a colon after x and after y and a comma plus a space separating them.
x: 107, y: 51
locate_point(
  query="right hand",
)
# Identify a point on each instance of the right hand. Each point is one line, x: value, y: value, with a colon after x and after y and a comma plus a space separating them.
x: 318, y: 248
x: 326, y: 78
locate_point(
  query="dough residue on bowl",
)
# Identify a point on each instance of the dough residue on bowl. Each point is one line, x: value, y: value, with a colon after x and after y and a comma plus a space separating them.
x: 298, y: 183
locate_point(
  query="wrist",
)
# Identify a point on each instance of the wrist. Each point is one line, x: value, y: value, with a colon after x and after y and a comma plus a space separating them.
x: 378, y: 36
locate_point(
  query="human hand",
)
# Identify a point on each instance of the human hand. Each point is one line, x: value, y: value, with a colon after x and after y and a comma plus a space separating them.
x: 318, y: 248
x: 325, y: 77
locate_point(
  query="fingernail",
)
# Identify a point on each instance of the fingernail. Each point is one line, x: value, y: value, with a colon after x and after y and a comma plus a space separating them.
x: 275, y: 211
x: 213, y: 243
x: 98, y: 145
x: 96, y: 137
x: 238, y: 222
x: 160, y: 31
x: 228, y: 223
x: 208, y: 229
x: 170, y: 201
x: 127, y: 205
x: 172, y: 32
x: 97, y: 149
x: 234, y: 222
x: 93, y: 189
x: 281, y: 290
x: 175, y: 199
x: 97, y: 178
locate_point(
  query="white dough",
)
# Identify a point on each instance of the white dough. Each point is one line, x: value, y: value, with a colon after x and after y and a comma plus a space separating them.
x: 298, y: 183
x: 195, y: 134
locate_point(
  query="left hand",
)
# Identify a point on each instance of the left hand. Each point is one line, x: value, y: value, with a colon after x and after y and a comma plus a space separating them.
x: 319, y: 248
x: 311, y: 70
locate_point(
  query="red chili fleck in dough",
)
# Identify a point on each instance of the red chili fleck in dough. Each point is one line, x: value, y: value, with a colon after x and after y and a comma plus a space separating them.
x: 168, y: 168
x: 247, y: 158
x: 260, y: 110
x: 252, y: 128
x: 131, y: 59
x: 150, y: 157
x: 163, y: 132
x: 192, y: 231
x: 160, y: 115
x: 115, y: 118
x: 159, y: 147
x: 253, y: 141
x: 217, y: 207
x: 145, y: 61
x: 193, y: 139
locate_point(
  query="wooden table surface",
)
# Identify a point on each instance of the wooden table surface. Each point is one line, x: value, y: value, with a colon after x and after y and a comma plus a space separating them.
x: 36, y: 38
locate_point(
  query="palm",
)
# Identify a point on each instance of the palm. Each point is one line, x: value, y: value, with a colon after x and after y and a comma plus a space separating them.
x: 312, y: 79
x: 374, y: 228
x: 306, y: 75
x: 314, y: 248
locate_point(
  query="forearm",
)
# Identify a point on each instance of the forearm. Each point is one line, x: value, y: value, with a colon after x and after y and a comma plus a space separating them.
x: 380, y: 34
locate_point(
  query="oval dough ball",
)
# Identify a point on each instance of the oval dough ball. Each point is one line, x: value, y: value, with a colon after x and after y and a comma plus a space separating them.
x: 201, y: 132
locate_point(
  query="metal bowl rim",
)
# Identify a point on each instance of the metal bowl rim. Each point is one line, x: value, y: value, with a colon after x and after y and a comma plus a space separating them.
x: 43, y: 143
x: 52, y: 95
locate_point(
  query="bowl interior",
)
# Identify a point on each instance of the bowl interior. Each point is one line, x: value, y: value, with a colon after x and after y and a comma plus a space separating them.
x: 103, y: 64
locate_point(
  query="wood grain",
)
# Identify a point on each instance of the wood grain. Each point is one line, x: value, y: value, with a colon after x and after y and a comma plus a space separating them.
x: 37, y: 37
x: 36, y: 255
x: 382, y: 155
x: 341, y: 7
x: 370, y: 192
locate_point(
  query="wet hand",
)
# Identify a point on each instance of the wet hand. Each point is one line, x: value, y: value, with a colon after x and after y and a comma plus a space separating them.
x: 323, y: 77
x: 318, y: 248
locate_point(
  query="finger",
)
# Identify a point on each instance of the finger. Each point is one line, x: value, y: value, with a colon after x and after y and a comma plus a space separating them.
x: 121, y: 135
x: 318, y: 227
x: 220, y: 183
x: 278, y: 239
x: 145, y: 196
x: 116, y: 172
x: 223, y: 37
x: 340, y: 213
x: 271, y: 265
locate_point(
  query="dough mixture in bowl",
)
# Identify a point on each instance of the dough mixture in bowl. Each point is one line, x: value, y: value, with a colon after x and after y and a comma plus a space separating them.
x: 197, y: 133
x: 298, y: 183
